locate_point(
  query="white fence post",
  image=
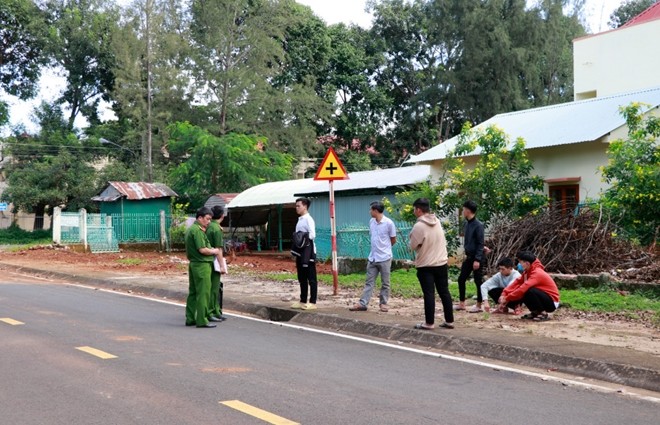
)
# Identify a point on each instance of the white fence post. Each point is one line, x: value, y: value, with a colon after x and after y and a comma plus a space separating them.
x: 163, y: 231
x: 57, y: 225
x: 83, y: 227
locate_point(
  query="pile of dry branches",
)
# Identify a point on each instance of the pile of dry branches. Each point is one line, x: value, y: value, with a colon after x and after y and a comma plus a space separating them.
x: 571, y: 243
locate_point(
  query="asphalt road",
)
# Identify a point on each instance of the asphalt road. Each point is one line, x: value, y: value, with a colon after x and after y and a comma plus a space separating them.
x: 166, y: 373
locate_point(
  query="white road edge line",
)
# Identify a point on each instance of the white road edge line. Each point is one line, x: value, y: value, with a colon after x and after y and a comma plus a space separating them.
x: 409, y: 349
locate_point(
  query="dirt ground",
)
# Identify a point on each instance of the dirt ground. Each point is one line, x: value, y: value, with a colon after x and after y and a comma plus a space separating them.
x: 621, y: 330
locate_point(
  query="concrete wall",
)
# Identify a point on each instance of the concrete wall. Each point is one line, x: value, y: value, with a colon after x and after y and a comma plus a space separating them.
x: 617, y: 61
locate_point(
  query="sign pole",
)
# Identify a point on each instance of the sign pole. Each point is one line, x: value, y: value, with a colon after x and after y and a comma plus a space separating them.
x: 332, y: 169
x: 333, y: 235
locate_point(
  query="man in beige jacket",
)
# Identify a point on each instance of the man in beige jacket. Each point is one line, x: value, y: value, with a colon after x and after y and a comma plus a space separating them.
x: 428, y: 241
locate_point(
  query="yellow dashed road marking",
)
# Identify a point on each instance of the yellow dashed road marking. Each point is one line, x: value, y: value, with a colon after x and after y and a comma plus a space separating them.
x: 97, y: 353
x: 258, y: 413
x: 11, y: 321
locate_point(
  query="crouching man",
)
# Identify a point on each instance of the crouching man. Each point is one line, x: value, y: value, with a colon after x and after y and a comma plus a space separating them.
x: 535, y: 288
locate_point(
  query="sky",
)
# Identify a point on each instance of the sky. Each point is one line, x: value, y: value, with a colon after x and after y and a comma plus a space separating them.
x: 332, y: 12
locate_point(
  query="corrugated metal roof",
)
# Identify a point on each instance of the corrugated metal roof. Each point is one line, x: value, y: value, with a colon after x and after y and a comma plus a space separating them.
x: 134, y: 191
x: 563, y: 124
x: 221, y: 199
x: 273, y: 193
x: 650, y: 14
x: 375, y: 179
x: 286, y: 192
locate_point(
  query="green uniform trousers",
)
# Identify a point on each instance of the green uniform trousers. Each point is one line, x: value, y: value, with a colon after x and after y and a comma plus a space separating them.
x: 215, y: 305
x: 199, y: 293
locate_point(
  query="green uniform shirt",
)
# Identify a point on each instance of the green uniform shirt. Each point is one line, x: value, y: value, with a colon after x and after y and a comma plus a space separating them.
x: 214, y: 234
x: 196, y: 239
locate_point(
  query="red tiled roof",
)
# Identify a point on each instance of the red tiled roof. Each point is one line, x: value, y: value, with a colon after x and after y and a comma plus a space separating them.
x: 650, y: 14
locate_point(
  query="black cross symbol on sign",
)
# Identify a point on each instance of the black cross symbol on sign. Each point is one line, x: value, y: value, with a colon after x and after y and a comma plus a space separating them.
x: 332, y: 168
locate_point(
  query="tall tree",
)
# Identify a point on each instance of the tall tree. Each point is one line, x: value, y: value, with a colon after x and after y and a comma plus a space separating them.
x: 151, y: 86
x: 81, y: 46
x: 207, y: 164
x: 22, y: 39
x: 49, y: 169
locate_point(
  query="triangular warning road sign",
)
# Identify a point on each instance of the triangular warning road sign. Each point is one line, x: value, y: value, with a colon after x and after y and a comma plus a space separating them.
x: 331, y: 168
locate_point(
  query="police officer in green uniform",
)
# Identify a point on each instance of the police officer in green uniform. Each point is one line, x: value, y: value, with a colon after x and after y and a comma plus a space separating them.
x: 201, y: 255
x: 215, y: 236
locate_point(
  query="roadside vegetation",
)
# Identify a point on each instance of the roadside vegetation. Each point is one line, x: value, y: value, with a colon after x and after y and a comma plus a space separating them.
x: 21, y: 239
x: 598, y: 300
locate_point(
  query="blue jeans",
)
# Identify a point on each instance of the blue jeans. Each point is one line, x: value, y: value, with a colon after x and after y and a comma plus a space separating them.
x: 373, y: 268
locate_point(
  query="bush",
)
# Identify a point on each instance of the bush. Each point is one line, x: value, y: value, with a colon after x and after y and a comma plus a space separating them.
x: 14, y: 235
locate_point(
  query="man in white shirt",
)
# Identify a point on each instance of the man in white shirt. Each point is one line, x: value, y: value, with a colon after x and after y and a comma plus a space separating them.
x: 383, y: 235
x: 494, y: 286
x: 305, y: 256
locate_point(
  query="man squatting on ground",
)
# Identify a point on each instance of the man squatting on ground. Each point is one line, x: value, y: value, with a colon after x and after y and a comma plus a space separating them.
x: 535, y: 288
x: 494, y: 286
x: 216, y: 239
x: 200, y: 256
x: 383, y: 235
x: 305, y: 252
x: 473, y: 245
x: 427, y: 239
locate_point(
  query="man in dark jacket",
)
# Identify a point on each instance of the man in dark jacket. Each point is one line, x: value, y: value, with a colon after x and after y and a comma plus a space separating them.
x: 473, y: 245
x: 305, y: 253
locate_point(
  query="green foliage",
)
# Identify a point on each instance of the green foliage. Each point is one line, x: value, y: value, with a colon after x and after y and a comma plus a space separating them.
x: 14, y: 235
x: 207, y: 164
x: 501, y: 182
x: 633, y: 171
x: 49, y: 169
x: 81, y: 34
x: 23, y: 37
x: 178, y: 226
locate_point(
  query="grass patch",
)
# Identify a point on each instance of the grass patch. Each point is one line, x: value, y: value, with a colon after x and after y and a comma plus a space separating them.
x: 607, y: 301
x: 14, y: 235
x: 130, y: 261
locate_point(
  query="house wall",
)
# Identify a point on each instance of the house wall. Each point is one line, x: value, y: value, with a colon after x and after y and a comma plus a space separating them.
x: 617, y: 61
x: 123, y: 206
x: 566, y: 161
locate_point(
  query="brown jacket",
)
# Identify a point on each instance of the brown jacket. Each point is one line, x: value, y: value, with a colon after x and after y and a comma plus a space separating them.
x: 427, y: 239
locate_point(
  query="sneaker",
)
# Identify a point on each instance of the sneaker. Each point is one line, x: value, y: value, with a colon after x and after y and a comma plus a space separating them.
x: 297, y: 305
x: 309, y: 306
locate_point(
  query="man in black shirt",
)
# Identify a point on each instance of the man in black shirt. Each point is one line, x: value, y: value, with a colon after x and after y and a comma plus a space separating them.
x: 473, y: 245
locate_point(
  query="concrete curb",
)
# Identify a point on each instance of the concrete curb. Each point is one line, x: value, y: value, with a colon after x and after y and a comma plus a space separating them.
x: 528, y: 351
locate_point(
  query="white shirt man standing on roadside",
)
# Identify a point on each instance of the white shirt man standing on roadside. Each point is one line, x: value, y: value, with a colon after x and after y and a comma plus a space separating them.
x: 383, y: 235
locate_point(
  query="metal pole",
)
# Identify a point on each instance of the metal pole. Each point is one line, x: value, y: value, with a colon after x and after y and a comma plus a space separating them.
x: 333, y: 233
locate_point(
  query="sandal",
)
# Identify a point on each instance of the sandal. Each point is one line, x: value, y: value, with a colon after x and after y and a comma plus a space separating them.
x: 541, y: 317
x: 529, y: 316
x: 458, y: 307
x: 422, y: 326
x: 475, y: 309
x: 447, y: 325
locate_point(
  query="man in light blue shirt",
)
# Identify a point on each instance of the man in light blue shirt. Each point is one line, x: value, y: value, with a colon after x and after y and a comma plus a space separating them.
x: 383, y: 235
x: 494, y: 286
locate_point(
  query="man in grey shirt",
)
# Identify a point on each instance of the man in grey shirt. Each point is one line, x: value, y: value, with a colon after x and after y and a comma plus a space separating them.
x: 383, y: 235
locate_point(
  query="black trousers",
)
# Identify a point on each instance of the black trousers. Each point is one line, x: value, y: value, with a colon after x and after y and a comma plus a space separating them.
x: 430, y: 278
x: 538, y: 301
x: 307, y: 278
x: 466, y: 271
x: 496, y: 293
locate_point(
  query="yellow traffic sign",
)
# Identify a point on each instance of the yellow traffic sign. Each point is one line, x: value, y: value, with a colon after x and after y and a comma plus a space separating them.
x: 331, y: 168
